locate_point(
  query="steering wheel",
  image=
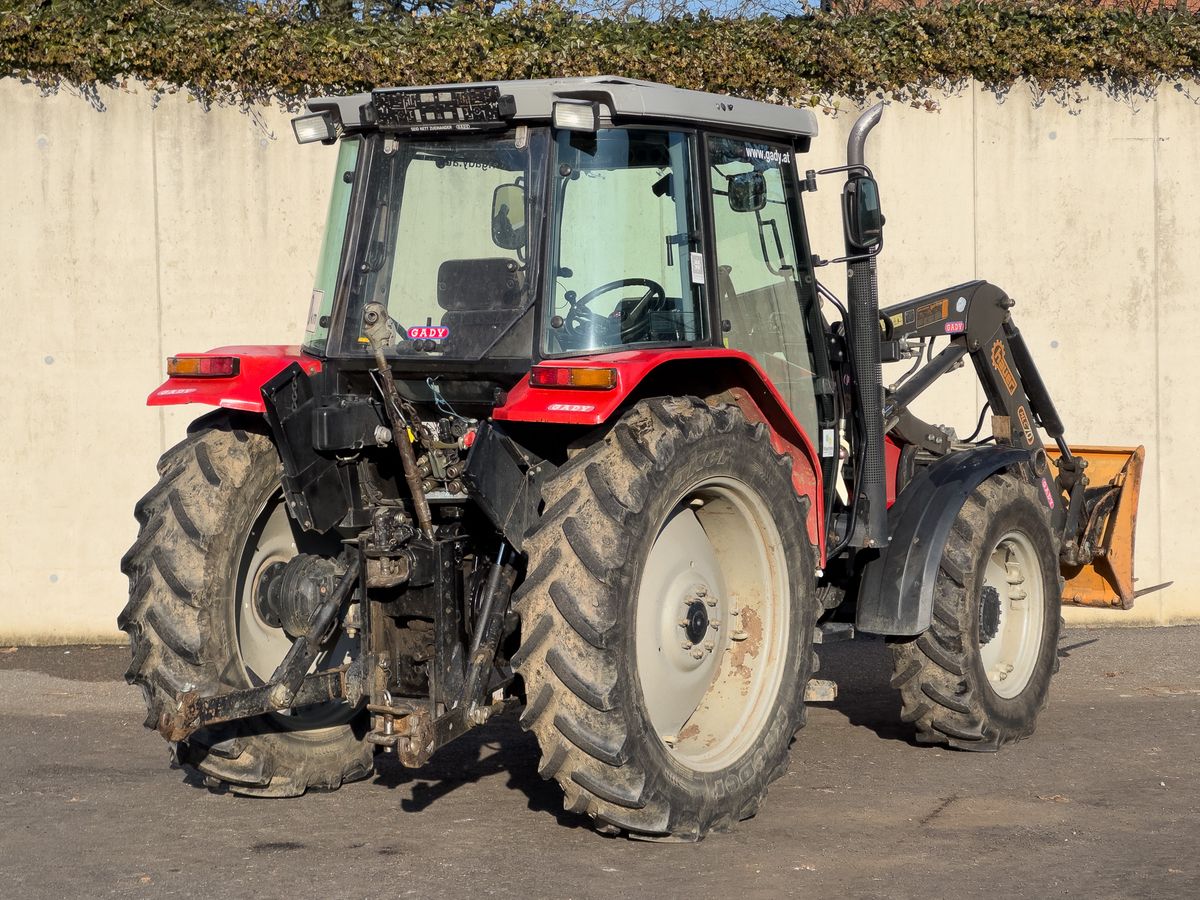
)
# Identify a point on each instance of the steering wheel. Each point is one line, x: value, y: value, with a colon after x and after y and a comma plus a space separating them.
x: 580, y: 320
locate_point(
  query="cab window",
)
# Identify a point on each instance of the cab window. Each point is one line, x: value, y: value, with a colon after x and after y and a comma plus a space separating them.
x: 626, y: 265
x: 755, y: 236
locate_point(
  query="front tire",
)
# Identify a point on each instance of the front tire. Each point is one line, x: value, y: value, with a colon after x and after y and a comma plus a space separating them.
x: 667, y: 621
x: 979, y: 677
x: 209, y: 527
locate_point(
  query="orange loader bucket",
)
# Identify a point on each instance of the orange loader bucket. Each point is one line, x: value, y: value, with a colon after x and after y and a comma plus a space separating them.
x: 1109, y: 519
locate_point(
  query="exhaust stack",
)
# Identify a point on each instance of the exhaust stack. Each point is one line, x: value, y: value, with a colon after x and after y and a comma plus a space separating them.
x: 862, y: 290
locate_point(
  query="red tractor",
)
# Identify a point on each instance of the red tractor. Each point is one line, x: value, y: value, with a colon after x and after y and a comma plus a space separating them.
x: 575, y: 428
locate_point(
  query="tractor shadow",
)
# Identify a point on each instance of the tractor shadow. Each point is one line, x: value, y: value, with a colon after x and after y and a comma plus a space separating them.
x: 862, y: 669
x: 499, y: 748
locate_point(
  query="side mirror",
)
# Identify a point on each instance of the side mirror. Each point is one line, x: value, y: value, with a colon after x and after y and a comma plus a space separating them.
x: 508, y: 217
x: 747, y: 191
x: 861, y: 212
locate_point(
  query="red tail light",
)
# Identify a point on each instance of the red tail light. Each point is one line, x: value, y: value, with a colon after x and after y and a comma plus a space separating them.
x: 202, y: 366
x: 587, y: 377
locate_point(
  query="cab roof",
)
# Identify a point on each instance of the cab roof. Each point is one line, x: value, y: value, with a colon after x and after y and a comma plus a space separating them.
x: 621, y: 100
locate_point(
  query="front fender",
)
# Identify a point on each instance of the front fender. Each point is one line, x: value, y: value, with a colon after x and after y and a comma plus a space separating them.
x: 257, y: 365
x: 895, y: 593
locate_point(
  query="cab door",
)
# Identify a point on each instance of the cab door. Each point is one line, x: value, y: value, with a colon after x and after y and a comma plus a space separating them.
x: 765, y: 309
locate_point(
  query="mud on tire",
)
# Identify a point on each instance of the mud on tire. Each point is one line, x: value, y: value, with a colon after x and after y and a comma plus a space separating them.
x: 184, y: 572
x: 944, y: 683
x: 578, y: 609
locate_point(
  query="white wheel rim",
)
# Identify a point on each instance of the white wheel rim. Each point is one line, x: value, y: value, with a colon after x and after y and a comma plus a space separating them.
x: 1014, y: 573
x: 262, y: 647
x: 717, y: 561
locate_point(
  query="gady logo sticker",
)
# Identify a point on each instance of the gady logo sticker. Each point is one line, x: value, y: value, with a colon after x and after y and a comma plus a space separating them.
x: 1048, y: 493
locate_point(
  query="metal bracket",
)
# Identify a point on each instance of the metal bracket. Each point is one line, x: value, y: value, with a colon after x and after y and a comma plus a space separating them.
x: 832, y: 632
x: 288, y: 685
x: 414, y: 735
x: 196, y: 712
x: 820, y: 690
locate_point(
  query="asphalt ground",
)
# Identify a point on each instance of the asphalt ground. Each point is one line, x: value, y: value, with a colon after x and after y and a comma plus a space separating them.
x: 1103, y: 801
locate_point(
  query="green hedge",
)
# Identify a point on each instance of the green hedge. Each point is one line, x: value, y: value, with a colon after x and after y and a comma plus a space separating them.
x: 260, y: 55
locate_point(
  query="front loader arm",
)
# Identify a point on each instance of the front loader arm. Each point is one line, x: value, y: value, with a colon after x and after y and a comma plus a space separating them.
x: 975, y: 316
x: 1094, y: 520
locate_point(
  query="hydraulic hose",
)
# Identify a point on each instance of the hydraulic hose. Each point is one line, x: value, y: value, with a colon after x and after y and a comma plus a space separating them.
x: 376, y: 322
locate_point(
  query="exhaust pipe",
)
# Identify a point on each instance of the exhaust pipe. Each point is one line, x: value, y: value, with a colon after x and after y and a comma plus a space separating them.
x: 862, y: 289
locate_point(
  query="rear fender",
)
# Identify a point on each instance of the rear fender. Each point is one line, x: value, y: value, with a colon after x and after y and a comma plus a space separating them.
x: 716, y: 374
x: 895, y: 594
x: 256, y: 366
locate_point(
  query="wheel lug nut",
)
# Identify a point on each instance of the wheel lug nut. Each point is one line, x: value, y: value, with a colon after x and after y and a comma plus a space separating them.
x: 683, y: 623
x: 711, y: 601
x: 708, y: 645
x: 686, y: 645
x: 697, y: 653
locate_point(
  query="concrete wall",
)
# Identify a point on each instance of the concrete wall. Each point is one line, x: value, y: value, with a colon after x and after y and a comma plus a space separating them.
x: 141, y: 230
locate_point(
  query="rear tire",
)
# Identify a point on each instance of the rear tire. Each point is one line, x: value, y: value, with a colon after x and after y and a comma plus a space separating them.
x: 980, y: 675
x: 653, y: 721
x: 201, y: 526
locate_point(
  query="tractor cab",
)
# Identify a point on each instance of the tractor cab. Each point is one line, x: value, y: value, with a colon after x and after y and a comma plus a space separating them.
x: 530, y: 221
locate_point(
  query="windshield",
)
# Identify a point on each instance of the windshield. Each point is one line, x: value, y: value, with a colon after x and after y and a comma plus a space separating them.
x: 626, y: 266
x: 444, y: 244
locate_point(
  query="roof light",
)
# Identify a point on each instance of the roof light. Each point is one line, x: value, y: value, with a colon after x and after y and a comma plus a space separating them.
x: 314, y: 127
x: 586, y: 377
x: 576, y: 115
x: 202, y: 366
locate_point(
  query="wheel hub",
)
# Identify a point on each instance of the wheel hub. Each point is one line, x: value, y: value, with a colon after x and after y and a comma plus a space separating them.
x: 1011, y: 614
x: 989, y: 614
x: 696, y: 626
x: 287, y: 594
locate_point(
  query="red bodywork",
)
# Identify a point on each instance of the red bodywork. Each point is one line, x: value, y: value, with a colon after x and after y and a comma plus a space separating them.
x: 700, y: 371
x: 891, y: 467
x: 243, y: 391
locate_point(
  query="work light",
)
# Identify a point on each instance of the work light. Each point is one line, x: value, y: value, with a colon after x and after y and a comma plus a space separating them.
x: 576, y: 115
x: 314, y: 127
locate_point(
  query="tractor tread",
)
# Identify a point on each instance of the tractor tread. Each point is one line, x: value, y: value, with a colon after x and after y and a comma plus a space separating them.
x: 609, y: 789
x: 174, y: 570
x: 536, y: 706
x: 572, y: 627
x: 607, y: 750
x: 573, y: 611
x: 596, y: 694
x: 943, y: 693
